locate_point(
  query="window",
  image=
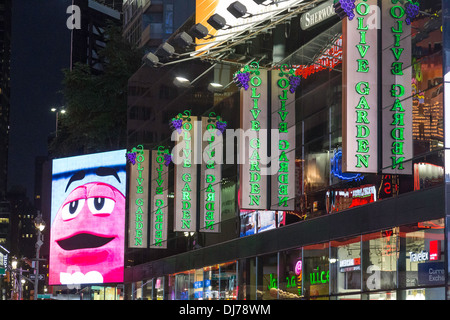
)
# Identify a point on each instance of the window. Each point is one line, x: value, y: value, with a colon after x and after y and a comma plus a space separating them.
x: 345, y: 265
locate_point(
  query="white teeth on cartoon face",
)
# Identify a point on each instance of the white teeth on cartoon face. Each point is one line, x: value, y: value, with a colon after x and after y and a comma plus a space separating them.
x: 80, y: 278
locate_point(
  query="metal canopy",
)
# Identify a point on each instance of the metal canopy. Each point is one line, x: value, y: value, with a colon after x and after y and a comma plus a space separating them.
x: 310, y: 52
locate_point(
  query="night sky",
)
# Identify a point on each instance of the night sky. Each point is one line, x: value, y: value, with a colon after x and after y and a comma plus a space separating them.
x: 40, y: 50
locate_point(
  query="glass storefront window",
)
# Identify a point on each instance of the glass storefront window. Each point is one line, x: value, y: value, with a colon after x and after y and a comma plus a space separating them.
x: 389, y: 295
x: 159, y: 288
x: 247, y: 279
x: 184, y: 285
x: 316, y: 271
x: 144, y: 290
x: 211, y: 283
x: 345, y: 265
x: 228, y: 281
x: 267, y: 273
x: 422, y: 257
x: 379, y: 259
x: 291, y: 275
x: 423, y: 294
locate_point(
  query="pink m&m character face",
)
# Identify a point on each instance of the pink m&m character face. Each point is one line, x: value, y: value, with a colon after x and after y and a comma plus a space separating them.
x: 87, y: 236
x: 298, y: 267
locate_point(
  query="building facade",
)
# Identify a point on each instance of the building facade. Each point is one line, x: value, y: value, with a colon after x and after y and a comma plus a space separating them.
x: 5, y: 54
x: 334, y: 232
x: 89, y: 38
x: 147, y: 23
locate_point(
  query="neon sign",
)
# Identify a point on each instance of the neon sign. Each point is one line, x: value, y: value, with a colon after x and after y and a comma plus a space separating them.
x: 159, y: 188
x: 319, y: 277
x: 336, y: 168
x: 360, y: 99
x: 328, y: 60
x: 185, y: 175
x: 254, y: 123
x: 138, y: 197
x: 299, y: 272
x: 283, y: 103
x: 397, y: 90
x: 210, y: 181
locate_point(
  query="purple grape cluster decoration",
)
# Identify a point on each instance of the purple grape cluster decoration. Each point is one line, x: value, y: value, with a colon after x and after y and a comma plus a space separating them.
x: 412, y: 10
x: 294, y: 82
x: 344, y: 8
x: 241, y: 79
x: 176, y: 124
x: 131, y: 156
x: 221, y: 126
x: 167, y: 159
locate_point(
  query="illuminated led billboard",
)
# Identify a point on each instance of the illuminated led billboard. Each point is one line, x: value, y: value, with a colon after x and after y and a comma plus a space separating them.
x: 87, y: 232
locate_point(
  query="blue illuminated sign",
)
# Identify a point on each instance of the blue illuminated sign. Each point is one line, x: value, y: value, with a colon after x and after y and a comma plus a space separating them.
x: 336, y: 168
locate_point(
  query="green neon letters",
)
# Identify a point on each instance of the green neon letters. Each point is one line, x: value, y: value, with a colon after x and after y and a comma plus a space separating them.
x: 362, y: 88
x: 397, y: 90
x: 210, y: 179
x: 139, y: 201
x: 283, y: 144
x: 255, y: 190
x: 159, y: 199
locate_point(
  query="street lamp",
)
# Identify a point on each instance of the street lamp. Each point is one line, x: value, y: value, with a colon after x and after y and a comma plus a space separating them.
x: 17, y: 279
x: 39, y: 223
x: 58, y: 111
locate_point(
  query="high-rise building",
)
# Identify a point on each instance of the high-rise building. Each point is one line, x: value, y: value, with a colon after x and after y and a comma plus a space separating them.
x: 5, y: 53
x: 147, y: 24
x: 89, y: 39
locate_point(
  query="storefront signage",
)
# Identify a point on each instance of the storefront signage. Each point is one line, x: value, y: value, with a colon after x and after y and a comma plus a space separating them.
x: 431, y: 273
x: 435, y: 250
x: 138, y: 197
x: 419, y: 256
x: 349, y: 262
x: 319, y: 276
x: 211, y: 174
x: 185, y: 174
x: 396, y: 95
x: 159, y: 200
x: 299, y: 272
x: 253, y: 140
x: 283, y: 136
x: 317, y: 15
x: 360, y: 92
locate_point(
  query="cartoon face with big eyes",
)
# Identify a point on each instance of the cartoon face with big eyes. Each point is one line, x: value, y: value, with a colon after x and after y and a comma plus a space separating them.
x: 87, y: 236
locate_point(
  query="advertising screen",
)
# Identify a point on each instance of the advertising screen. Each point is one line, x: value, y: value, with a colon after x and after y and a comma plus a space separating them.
x: 87, y: 230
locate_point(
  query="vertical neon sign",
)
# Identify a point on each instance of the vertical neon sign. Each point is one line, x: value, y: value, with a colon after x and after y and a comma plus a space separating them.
x: 138, y: 218
x: 210, y: 174
x: 159, y: 200
x: 360, y: 101
x: 396, y: 89
x: 185, y: 174
x: 253, y: 142
x: 283, y: 120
